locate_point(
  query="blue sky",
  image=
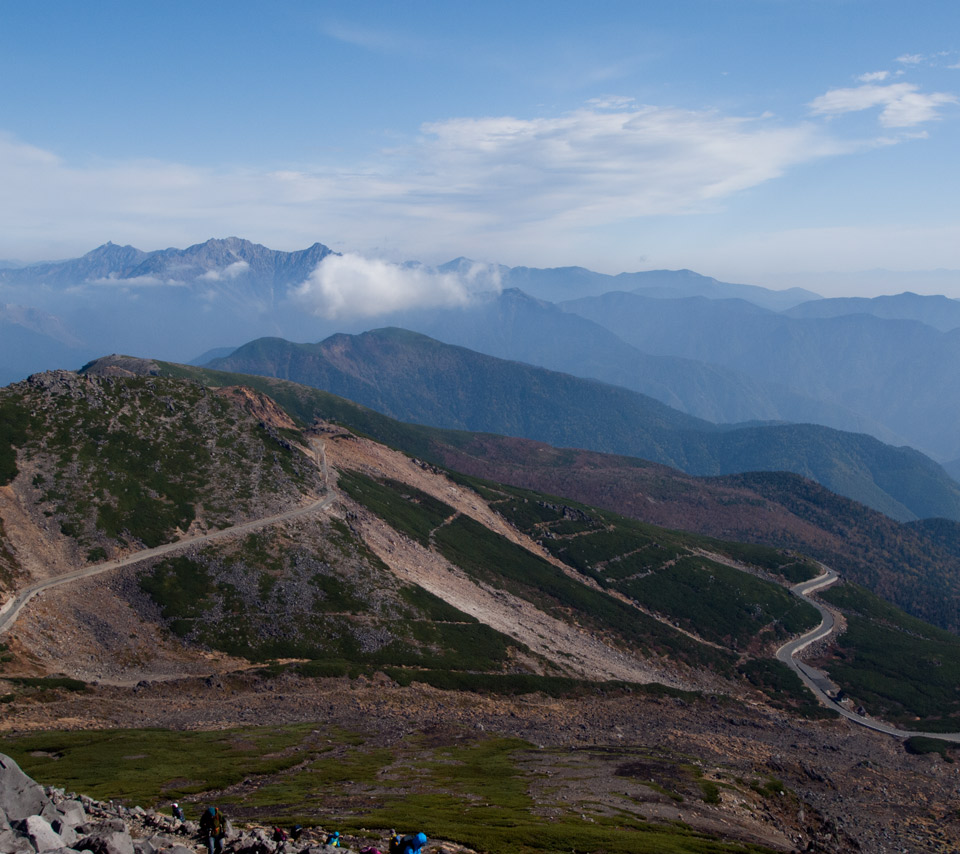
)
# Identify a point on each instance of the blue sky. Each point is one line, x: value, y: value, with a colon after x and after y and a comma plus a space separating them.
x: 767, y: 141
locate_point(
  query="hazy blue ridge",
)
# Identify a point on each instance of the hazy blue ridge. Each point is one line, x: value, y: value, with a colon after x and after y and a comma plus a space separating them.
x: 558, y: 283
x: 413, y: 378
x: 899, y: 373
x: 25, y: 351
x: 940, y: 312
x: 515, y: 325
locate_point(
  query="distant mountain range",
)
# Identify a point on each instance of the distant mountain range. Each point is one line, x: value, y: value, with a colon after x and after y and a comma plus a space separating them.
x: 900, y: 373
x: 414, y: 378
x: 557, y: 283
x: 175, y: 302
x: 724, y: 352
x: 940, y: 312
x: 514, y: 325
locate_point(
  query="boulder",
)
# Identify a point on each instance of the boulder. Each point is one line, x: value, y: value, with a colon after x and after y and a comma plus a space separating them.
x: 105, y: 826
x: 65, y: 831
x: 40, y: 834
x: 72, y: 812
x: 20, y: 797
x: 155, y: 844
x: 107, y: 842
x: 12, y: 842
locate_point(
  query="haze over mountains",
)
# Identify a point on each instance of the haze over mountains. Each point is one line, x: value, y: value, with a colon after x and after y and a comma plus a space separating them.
x: 726, y: 353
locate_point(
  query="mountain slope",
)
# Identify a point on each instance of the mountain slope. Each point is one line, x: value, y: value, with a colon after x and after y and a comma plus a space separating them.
x: 404, y: 567
x: 910, y: 565
x: 414, y: 378
x: 514, y: 325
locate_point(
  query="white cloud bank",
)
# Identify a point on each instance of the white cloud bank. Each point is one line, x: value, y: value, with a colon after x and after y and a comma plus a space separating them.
x: 351, y: 285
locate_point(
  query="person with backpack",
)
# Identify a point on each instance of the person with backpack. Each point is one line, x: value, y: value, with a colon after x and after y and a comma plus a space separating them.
x: 177, y: 812
x: 333, y: 840
x: 213, y: 830
x: 409, y: 844
x: 280, y: 837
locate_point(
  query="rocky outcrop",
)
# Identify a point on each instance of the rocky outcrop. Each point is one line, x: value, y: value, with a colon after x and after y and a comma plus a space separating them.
x: 37, y: 820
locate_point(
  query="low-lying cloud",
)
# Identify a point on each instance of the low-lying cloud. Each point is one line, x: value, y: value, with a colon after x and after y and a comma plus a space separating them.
x: 115, y: 281
x: 231, y: 271
x: 350, y: 285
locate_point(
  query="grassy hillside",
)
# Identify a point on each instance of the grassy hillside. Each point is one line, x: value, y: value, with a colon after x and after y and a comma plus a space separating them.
x: 318, y: 595
x: 916, y: 565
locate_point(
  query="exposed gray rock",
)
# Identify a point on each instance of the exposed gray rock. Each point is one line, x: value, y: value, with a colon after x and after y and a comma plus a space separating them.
x: 103, y: 826
x: 72, y: 812
x: 40, y: 834
x: 12, y: 842
x: 20, y: 797
x: 107, y: 842
x: 65, y: 831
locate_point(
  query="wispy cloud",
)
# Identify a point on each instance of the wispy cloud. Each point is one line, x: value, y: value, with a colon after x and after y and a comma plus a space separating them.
x: 115, y: 281
x: 462, y: 185
x: 902, y: 104
x: 873, y: 76
x: 371, y: 38
x: 911, y: 58
x: 351, y: 285
x: 461, y: 182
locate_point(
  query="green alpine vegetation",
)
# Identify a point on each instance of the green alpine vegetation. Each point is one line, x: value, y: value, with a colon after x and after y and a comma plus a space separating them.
x: 468, y: 787
x: 318, y: 595
x: 664, y: 572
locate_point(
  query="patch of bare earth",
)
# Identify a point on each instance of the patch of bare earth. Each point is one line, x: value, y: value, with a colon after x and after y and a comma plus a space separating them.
x: 566, y: 647
x: 87, y: 630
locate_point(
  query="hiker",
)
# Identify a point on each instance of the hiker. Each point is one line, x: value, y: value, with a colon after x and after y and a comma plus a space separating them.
x: 333, y: 840
x: 212, y: 830
x: 280, y: 837
x: 177, y: 812
x: 409, y: 844
x: 295, y: 832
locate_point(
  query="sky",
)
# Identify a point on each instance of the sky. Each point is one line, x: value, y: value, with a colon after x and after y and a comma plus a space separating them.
x: 774, y: 142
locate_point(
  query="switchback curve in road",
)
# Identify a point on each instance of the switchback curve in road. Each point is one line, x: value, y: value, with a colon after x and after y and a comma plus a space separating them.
x: 818, y: 682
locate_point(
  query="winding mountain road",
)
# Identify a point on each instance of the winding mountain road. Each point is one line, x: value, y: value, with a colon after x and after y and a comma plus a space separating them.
x: 817, y: 681
x: 9, y: 612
